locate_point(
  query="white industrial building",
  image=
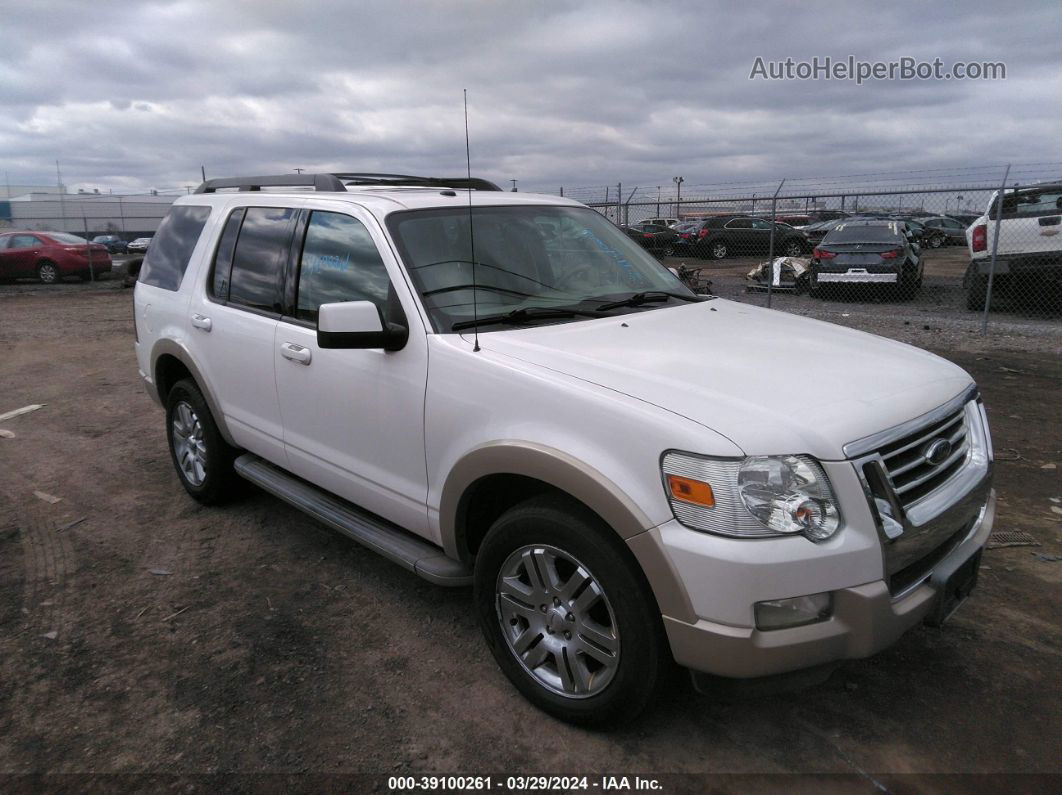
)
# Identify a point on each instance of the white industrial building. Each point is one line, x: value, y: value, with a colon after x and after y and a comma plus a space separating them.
x: 86, y: 214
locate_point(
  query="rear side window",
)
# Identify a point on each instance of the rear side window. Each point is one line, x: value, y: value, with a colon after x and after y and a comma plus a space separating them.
x: 1031, y: 203
x: 339, y: 263
x: 172, y: 246
x: 219, y: 284
x: 259, y: 259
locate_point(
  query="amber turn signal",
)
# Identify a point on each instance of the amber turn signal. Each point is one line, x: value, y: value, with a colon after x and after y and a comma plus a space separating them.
x: 689, y: 490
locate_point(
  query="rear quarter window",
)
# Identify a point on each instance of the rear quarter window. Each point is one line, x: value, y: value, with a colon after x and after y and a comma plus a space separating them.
x: 172, y: 246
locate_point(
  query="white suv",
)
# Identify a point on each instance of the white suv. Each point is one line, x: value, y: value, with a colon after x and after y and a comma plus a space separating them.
x: 627, y: 473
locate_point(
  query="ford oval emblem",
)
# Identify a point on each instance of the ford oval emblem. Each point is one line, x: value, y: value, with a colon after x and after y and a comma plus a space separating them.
x: 937, y: 451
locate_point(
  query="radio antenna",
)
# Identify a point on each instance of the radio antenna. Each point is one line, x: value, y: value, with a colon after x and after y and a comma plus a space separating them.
x: 471, y: 234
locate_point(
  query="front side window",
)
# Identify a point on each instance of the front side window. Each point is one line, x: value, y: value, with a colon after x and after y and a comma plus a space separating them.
x: 259, y: 258
x: 339, y: 262
x: 527, y: 257
x: 172, y: 246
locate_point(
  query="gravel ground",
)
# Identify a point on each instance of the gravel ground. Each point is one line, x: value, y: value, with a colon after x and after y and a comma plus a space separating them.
x: 143, y: 633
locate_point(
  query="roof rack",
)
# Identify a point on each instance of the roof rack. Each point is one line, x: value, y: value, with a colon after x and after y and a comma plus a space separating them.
x: 325, y: 182
x: 405, y: 180
x: 338, y: 182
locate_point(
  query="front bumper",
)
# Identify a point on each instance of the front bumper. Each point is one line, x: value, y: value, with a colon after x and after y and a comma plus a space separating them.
x: 866, y: 618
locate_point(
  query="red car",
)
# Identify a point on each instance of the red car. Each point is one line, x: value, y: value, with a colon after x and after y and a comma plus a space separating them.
x: 49, y: 256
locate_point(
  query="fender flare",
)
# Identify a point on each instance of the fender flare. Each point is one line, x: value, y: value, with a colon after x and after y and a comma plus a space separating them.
x: 579, y: 480
x: 540, y: 462
x: 168, y: 347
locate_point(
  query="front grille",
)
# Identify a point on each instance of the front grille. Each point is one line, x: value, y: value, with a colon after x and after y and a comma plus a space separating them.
x: 913, y: 477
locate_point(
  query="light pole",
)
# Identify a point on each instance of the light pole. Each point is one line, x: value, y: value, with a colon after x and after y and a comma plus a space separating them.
x: 678, y: 195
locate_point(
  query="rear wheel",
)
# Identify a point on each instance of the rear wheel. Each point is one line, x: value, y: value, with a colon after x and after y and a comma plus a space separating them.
x: 793, y: 248
x: 202, y: 458
x: 48, y: 272
x: 567, y: 614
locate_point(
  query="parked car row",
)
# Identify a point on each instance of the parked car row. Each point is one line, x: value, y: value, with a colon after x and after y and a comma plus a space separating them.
x: 720, y: 236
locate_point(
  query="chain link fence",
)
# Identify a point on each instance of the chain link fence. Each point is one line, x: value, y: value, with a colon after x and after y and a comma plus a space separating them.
x: 983, y: 244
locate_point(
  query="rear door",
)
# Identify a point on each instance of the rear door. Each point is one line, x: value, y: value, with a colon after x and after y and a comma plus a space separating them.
x: 353, y: 419
x: 234, y: 322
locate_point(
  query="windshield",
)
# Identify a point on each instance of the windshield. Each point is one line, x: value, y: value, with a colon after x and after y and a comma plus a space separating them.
x: 526, y: 257
x: 862, y: 233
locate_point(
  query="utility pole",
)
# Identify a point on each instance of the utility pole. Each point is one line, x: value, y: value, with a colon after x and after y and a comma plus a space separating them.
x: 514, y: 185
x: 202, y: 170
x: 678, y: 194
x: 299, y: 170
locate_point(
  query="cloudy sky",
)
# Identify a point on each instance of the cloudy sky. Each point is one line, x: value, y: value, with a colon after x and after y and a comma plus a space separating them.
x: 135, y: 95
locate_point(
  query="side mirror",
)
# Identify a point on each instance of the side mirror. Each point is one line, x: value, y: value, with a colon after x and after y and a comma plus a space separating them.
x: 358, y: 324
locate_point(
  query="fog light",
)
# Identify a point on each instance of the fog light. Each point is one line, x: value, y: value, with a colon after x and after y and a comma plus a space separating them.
x: 782, y: 613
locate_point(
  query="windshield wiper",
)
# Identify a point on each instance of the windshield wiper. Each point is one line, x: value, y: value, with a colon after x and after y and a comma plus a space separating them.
x: 524, y: 315
x: 648, y: 297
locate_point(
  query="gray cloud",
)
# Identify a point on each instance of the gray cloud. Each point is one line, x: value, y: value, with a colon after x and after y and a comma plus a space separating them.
x: 563, y: 93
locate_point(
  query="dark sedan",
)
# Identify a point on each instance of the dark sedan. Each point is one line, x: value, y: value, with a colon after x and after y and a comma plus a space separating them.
x: 741, y: 235
x: 653, y: 237
x: 114, y: 244
x: 953, y: 231
x: 870, y: 252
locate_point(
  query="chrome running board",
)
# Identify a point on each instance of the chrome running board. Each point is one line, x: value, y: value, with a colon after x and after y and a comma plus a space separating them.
x: 379, y: 535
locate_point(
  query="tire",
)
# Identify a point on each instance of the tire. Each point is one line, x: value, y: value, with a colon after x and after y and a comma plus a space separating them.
x: 202, y: 458
x: 976, y: 291
x: 793, y: 248
x: 48, y: 272
x: 669, y: 251
x: 590, y: 660
x: 717, y: 249
x: 936, y: 241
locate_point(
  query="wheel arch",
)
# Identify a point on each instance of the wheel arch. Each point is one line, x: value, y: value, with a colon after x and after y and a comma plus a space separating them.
x: 523, y: 470
x: 170, y: 363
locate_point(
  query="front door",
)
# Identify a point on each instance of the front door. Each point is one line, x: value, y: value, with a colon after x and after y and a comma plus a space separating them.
x: 353, y: 419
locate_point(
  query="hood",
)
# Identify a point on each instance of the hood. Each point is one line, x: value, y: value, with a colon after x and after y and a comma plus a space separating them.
x: 769, y: 381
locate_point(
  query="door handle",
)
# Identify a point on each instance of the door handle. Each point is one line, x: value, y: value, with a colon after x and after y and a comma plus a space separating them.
x: 201, y: 321
x: 297, y: 353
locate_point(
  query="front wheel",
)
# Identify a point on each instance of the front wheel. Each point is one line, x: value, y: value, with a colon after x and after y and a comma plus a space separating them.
x: 717, y: 250
x: 567, y: 613
x: 669, y: 251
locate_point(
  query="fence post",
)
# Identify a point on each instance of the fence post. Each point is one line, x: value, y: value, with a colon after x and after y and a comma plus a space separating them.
x: 770, y: 248
x: 92, y: 271
x: 995, y: 248
x: 619, y: 202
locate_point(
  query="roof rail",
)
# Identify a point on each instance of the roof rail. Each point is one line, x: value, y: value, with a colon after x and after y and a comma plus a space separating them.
x: 320, y: 182
x: 406, y: 180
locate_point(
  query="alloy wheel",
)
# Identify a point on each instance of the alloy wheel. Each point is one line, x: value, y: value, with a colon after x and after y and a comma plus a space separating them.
x: 48, y: 273
x: 189, y: 447
x: 557, y: 621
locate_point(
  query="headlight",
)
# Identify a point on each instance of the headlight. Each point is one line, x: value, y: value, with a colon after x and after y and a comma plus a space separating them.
x: 789, y: 495
x: 754, y: 497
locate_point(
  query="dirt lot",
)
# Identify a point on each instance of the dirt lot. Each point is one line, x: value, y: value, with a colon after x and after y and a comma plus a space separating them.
x: 140, y: 632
